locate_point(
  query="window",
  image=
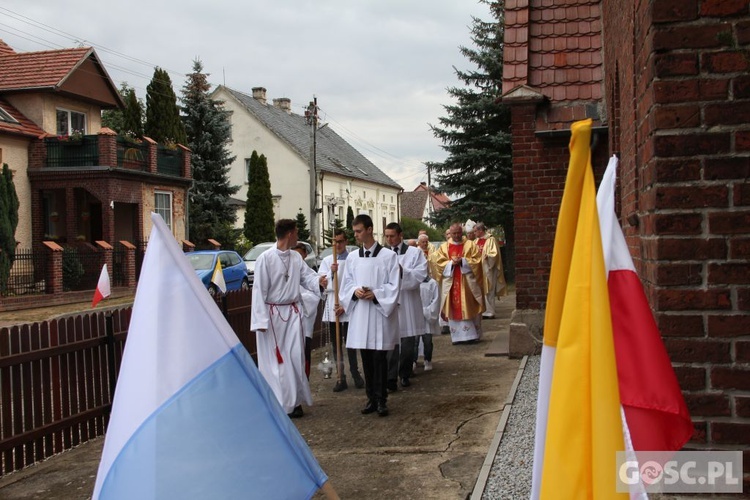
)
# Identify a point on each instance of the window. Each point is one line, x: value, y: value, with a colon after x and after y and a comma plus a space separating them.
x: 383, y: 197
x: 391, y: 199
x: 163, y: 206
x: 364, y: 194
x: 70, y: 121
x: 5, y: 116
x: 247, y: 170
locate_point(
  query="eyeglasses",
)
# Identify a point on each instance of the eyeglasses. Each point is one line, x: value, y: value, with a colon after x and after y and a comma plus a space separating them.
x: 339, y: 241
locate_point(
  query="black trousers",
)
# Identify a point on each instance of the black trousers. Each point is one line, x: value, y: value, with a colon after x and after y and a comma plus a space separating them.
x: 401, y: 359
x: 351, y: 354
x: 375, y: 369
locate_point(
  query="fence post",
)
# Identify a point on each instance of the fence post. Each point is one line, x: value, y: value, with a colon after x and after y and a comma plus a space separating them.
x: 54, y: 267
x: 129, y: 264
x: 215, y: 244
x: 105, y: 256
x: 111, y: 369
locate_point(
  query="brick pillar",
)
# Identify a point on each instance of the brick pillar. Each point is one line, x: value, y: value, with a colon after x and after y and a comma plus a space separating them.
x: 187, y: 246
x: 215, y: 244
x: 37, y: 153
x: 105, y: 256
x: 151, y: 155
x: 107, y: 144
x: 187, y: 172
x: 129, y: 264
x: 54, y: 267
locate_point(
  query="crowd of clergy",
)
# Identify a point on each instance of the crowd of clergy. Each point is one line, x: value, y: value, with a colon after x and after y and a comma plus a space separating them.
x: 385, y: 301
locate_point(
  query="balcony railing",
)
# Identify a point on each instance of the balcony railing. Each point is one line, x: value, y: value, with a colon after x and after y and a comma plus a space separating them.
x: 72, y: 152
x: 168, y: 161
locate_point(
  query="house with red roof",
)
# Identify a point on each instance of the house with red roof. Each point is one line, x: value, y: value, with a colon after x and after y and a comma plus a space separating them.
x: 78, y: 182
x: 421, y: 202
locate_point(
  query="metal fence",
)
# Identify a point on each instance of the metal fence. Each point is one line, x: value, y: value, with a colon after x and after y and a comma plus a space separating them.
x: 168, y: 161
x: 27, y: 275
x: 70, y: 152
x: 81, y: 266
x: 132, y: 155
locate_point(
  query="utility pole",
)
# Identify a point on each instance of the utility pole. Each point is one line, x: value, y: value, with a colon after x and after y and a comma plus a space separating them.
x: 312, y: 118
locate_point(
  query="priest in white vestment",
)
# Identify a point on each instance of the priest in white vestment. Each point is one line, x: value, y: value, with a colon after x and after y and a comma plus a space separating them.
x: 369, y: 296
x: 277, y: 318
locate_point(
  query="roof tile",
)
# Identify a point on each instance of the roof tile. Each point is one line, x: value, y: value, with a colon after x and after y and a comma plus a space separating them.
x: 24, y: 126
x: 44, y: 69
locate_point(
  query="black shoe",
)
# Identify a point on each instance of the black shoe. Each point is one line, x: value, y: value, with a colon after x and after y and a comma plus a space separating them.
x: 405, y: 382
x: 359, y: 383
x: 370, y: 408
x: 341, y: 385
x: 297, y: 412
x: 382, y: 410
x: 392, y: 385
x: 445, y: 330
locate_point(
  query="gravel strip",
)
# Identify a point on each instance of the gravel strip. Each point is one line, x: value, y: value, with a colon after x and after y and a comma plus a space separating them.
x: 510, y: 476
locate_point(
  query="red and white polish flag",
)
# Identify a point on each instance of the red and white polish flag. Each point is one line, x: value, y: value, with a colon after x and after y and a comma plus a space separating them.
x: 102, y: 288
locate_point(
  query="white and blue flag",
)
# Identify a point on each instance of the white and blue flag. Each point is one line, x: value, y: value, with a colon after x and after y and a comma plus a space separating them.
x: 192, y: 417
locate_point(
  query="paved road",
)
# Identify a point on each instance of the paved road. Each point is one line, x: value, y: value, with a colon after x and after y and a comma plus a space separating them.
x: 432, y: 445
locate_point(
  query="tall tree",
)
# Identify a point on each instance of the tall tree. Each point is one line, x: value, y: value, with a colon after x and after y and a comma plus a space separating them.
x: 129, y: 120
x: 475, y: 133
x: 8, y: 224
x: 259, y: 220
x: 208, y: 133
x: 348, y: 229
x: 303, y: 232
x: 163, y: 123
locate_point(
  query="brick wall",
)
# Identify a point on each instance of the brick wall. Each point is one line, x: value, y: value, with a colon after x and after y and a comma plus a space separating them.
x: 677, y: 79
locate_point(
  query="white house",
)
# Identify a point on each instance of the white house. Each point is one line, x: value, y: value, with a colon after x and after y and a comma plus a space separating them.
x: 344, y: 176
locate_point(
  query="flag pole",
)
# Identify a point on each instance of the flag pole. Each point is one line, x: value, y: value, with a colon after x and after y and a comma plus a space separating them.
x: 328, y: 491
x: 339, y: 357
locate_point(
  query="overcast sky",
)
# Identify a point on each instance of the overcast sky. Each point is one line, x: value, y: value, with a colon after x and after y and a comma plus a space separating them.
x: 379, y: 68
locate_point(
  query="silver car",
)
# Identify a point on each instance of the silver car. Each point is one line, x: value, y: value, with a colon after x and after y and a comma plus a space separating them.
x: 252, y: 255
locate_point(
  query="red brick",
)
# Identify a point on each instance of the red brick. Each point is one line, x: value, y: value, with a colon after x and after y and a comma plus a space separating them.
x: 671, y: 299
x: 697, y: 351
x: 700, y: 431
x: 713, y: 89
x: 666, y: 117
x: 673, y: 91
x: 727, y: 113
x: 723, y: 8
x: 691, y: 378
x: 680, y: 325
x: 683, y: 224
x: 725, y: 62
x: 743, y: 32
x: 674, y: 10
x: 669, y: 170
x: 708, y: 405
x: 741, y: 87
x: 729, y: 273
x: 742, y: 140
x: 730, y: 433
x: 739, y: 248
x: 691, y: 144
x: 666, y: 65
x: 742, y: 351
x: 730, y: 378
x: 737, y: 167
x: 688, y: 37
x: 670, y: 197
x: 742, y: 406
x: 679, y: 274
x: 741, y: 194
x: 735, y: 325
x: 728, y: 222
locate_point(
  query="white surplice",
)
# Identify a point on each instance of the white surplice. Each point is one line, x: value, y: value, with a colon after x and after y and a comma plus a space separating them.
x: 325, y: 270
x: 277, y: 309
x: 371, y: 325
x: 430, y: 294
x: 413, y: 273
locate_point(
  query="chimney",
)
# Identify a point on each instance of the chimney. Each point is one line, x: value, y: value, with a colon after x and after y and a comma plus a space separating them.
x: 284, y: 104
x: 259, y: 94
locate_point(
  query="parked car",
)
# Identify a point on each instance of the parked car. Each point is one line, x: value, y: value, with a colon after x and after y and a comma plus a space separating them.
x: 232, y: 266
x: 252, y: 255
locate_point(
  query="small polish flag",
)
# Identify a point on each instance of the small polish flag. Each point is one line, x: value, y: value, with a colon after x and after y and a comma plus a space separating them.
x: 102, y: 288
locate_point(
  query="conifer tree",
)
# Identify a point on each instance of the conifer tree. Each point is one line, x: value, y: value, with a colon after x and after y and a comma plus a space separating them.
x: 303, y: 233
x: 328, y: 233
x: 132, y: 115
x: 475, y: 133
x: 259, y: 219
x: 208, y: 132
x: 348, y: 229
x: 163, y: 123
x: 8, y: 224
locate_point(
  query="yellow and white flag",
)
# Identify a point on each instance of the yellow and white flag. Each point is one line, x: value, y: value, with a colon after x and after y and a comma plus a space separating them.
x: 217, y: 278
x: 578, y: 427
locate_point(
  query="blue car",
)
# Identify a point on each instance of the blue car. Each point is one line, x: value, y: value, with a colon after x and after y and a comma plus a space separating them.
x: 232, y: 265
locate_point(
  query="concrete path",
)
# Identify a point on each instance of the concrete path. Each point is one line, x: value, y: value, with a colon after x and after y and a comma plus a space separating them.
x: 432, y: 445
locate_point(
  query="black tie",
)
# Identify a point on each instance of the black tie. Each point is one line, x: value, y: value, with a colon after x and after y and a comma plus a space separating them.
x: 367, y: 253
x: 395, y: 249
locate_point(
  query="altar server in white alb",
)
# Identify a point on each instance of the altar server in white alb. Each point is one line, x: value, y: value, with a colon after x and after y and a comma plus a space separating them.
x: 369, y: 295
x: 410, y: 317
x: 277, y: 316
